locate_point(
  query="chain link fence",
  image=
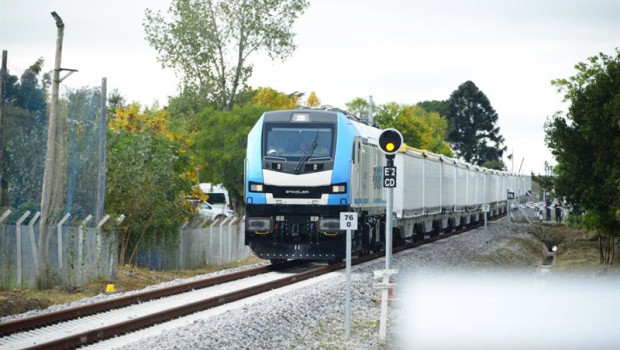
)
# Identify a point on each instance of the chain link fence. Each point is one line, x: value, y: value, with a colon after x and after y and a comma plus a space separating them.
x: 77, y: 253
x: 83, y: 247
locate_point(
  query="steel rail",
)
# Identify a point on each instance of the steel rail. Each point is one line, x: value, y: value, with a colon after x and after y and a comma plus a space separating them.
x: 38, y: 321
x: 110, y: 331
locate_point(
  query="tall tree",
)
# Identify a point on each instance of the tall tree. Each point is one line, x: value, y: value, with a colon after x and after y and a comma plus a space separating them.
x: 420, y: 128
x: 472, y: 120
x: 209, y: 41
x: 150, y: 165
x: 270, y: 98
x: 586, y: 144
x: 222, y: 146
x: 441, y: 107
x: 359, y: 107
x: 24, y: 128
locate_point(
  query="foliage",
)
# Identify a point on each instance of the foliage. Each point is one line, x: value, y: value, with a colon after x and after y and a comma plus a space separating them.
x: 209, y: 41
x: 586, y: 141
x: 420, y: 128
x: 441, y: 107
x: 359, y: 107
x: 494, y: 164
x: 275, y: 100
x: 148, y: 170
x: 545, y: 181
x: 24, y: 133
x: 221, y: 146
x: 29, y: 92
x: 472, y: 132
x: 272, y: 99
x: 313, y: 100
x: 574, y: 220
x: 131, y: 119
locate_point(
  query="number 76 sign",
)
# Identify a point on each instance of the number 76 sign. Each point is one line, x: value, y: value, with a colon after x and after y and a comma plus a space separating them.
x: 348, y: 221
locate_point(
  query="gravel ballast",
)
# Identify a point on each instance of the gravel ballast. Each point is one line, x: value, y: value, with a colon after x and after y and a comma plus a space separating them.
x: 313, y: 317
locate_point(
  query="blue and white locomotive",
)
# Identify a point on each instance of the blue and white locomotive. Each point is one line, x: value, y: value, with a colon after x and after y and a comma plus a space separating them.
x: 306, y: 166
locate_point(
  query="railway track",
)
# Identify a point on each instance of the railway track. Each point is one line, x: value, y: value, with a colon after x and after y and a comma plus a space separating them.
x: 87, y: 324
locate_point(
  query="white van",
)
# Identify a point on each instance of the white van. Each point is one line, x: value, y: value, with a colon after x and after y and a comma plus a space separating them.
x: 218, y: 199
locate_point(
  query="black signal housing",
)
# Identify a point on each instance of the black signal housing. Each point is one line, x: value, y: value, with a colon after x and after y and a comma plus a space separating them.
x: 390, y: 141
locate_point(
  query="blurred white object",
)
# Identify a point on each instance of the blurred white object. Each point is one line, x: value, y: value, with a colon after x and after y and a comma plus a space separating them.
x: 509, y: 312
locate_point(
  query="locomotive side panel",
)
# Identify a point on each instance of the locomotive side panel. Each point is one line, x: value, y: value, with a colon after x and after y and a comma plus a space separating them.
x: 367, y: 192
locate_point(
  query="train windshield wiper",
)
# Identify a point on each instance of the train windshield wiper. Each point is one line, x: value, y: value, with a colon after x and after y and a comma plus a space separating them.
x: 308, y: 154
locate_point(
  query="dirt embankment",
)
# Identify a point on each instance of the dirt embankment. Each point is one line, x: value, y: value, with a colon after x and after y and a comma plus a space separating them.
x: 577, y: 250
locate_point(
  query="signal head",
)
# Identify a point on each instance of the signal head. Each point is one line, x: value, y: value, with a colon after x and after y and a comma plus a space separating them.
x: 390, y: 141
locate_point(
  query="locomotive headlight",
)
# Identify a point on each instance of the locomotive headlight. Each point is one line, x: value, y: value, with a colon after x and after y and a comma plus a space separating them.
x: 339, y: 188
x: 254, y: 187
x: 300, y: 117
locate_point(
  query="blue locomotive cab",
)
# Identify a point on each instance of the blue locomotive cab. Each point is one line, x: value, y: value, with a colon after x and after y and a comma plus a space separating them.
x: 297, y: 184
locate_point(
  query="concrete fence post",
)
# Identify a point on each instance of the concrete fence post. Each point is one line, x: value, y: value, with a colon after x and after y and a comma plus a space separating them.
x: 222, y: 242
x: 232, y: 247
x: 98, y: 241
x: 211, y: 248
x: 33, y: 242
x: 81, y: 247
x: 181, y: 250
x: 18, y: 245
x: 5, y: 215
x: 59, y: 233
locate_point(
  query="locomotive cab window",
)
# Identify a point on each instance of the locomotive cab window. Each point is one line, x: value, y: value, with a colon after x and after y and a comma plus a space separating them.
x: 292, y: 142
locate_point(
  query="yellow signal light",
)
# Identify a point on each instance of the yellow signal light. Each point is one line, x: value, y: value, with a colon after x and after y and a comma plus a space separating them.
x: 390, y: 141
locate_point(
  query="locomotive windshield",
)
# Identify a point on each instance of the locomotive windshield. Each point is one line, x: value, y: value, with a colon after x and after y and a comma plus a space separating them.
x: 295, y: 141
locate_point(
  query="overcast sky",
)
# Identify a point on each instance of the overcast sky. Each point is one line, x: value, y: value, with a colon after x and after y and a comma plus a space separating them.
x: 396, y: 51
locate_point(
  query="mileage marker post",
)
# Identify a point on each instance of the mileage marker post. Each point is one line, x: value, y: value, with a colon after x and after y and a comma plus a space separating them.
x: 348, y: 222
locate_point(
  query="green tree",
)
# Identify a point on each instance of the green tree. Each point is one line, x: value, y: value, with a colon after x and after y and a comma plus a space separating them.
x: 209, y: 41
x: 272, y: 99
x: 359, y: 107
x: 546, y: 180
x: 24, y: 133
x: 149, y: 165
x: 473, y: 133
x: 441, y: 107
x: 420, y: 128
x: 221, y: 146
x: 586, y: 145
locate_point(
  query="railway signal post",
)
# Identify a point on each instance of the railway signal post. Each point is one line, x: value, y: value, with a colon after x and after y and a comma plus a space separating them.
x: 390, y: 142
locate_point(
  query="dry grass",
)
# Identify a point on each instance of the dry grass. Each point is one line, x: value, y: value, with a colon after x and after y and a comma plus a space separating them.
x: 577, y: 250
x: 129, y: 278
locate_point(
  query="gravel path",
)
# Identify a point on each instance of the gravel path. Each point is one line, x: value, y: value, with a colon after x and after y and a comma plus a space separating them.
x: 313, y: 318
